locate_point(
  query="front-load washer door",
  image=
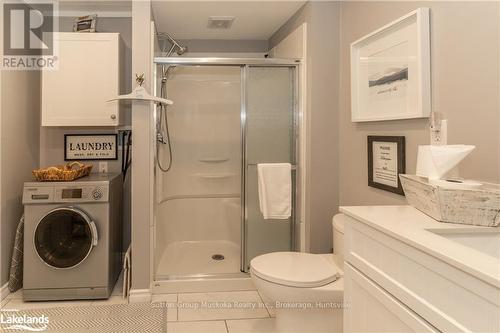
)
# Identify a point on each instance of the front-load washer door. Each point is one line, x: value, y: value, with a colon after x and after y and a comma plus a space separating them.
x: 64, y: 237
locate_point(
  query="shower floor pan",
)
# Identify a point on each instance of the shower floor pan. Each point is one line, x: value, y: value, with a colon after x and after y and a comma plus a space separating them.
x: 189, y: 267
x: 196, y: 257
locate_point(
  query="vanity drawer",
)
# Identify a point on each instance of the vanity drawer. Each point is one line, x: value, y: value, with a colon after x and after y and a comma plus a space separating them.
x: 369, y: 308
x: 446, y: 297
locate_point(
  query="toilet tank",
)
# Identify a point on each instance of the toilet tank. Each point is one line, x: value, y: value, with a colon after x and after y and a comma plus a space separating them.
x: 338, y: 222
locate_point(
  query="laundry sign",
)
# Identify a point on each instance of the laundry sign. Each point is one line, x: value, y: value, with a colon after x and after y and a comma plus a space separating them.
x: 90, y: 147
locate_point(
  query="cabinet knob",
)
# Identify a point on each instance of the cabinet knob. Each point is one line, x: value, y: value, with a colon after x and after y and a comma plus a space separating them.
x: 113, y: 116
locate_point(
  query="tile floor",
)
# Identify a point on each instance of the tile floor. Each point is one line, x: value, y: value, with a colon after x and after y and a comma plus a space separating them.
x: 217, y: 312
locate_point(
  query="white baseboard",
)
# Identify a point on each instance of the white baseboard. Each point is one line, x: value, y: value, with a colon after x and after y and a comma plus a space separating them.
x: 4, y: 291
x: 140, y: 296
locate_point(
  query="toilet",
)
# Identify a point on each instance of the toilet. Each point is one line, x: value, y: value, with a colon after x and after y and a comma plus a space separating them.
x: 306, y: 289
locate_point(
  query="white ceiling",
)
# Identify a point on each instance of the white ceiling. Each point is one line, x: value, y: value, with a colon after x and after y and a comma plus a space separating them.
x: 256, y: 20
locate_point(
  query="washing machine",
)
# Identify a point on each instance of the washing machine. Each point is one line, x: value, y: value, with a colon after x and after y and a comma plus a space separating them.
x: 72, y: 238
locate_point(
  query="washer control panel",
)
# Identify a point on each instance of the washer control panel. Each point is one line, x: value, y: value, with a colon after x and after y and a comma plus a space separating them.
x: 93, y: 188
x: 68, y: 193
x: 81, y: 193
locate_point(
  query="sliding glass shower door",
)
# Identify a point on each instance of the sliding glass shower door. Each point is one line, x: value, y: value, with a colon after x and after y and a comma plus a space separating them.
x: 226, y: 119
x: 198, y: 224
x: 270, y: 135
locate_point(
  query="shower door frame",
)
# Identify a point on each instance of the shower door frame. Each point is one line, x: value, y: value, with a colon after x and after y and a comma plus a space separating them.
x: 244, y: 64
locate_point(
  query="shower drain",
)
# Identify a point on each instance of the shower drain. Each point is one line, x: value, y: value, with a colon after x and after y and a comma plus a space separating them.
x: 218, y: 257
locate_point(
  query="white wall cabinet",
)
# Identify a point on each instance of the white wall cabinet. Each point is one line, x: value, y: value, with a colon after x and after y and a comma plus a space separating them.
x: 90, y: 73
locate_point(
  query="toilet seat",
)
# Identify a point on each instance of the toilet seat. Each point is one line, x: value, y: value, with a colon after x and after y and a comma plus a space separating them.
x: 295, y: 269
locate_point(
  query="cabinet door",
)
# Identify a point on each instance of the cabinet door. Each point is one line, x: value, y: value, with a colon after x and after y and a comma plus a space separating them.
x: 75, y: 94
x: 369, y: 308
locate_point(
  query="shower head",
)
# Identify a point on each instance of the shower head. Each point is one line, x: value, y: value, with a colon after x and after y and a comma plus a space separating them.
x: 181, y: 49
x: 166, y: 71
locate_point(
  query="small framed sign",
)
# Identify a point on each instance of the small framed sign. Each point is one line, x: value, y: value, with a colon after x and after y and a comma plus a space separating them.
x: 90, y: 147
x: 386, y: 160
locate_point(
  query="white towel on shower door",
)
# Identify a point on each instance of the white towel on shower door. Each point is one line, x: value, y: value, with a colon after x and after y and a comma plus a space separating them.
x: 275, y: 190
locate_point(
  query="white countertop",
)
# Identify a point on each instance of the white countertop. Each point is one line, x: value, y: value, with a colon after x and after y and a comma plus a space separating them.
x: 409, y: 225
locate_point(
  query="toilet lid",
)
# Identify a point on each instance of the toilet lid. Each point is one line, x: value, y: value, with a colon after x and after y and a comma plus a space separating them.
x: 295, y: 269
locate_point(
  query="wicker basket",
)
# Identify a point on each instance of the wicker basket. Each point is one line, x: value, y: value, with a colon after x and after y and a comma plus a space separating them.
x: 66, y: 172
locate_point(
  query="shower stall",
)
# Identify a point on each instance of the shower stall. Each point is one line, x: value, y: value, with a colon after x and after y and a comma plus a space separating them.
x: 228, y: 116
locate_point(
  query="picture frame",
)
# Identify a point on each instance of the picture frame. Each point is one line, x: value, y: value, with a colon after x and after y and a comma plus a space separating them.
x: 88, y: 147
x: 386, y: 161
x: 390, y: 71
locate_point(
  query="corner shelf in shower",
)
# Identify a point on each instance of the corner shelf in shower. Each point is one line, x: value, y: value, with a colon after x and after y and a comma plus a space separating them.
x: 213, y: 159
x: 201, y: 196
x: 214, y: 175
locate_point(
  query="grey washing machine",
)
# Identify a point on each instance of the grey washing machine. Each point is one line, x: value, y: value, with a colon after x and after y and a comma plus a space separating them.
x: 72, y: 238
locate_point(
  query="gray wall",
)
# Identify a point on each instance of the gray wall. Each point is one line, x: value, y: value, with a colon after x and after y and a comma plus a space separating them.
x: 20, y: 119
x: 465, y: 88
x: 323, y: 40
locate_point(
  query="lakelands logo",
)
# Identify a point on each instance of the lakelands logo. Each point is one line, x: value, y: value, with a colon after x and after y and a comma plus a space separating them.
x: 28, y: 35
x: 13, y: 321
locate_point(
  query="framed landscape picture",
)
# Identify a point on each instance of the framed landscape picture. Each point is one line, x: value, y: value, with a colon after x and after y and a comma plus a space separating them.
x: 390, y: 71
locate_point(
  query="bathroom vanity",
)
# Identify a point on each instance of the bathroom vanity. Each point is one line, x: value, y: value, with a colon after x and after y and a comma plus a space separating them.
x: 406, y: 272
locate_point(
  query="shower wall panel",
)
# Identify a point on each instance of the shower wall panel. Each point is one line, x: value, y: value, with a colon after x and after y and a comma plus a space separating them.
x: 199, y: 198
